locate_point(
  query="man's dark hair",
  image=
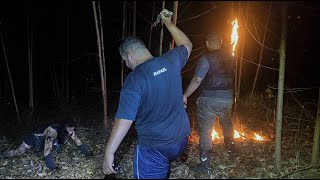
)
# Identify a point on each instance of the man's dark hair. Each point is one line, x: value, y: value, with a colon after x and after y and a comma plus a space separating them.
x: 69, y: 122
x: 130, y: 43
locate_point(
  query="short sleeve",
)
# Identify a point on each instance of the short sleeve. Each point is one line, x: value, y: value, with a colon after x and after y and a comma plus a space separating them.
x: 178, y: 56
x: 202, y: 67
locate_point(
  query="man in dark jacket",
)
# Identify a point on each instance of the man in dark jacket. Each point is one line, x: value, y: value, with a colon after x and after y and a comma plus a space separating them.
x: 214, y: 76
x: 48, y: 138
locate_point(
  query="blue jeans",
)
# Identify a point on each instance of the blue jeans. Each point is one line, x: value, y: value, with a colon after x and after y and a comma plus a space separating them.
x: 151, y: 163
x: 35, y: 141
x: 208, y: 109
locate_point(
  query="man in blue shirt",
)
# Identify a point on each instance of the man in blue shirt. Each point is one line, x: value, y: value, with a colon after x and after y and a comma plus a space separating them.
x: 152, y: 97
x: 214, y: 76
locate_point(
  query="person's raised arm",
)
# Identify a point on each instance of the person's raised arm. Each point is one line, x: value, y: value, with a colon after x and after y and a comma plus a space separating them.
x: 179, y: 37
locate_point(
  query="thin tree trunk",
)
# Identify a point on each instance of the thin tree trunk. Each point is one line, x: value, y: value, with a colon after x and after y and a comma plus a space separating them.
x: 150, y: 35
x: 57, y: 84
x: 174, y: 20
x: 316, y: 137
x: 12, y: 88
x: 53, y: 82
x: 161, y: 32
x: 280, y: 88
x: 101, y: 67
x: 123, y: 35
x: 261, y: 52
x: 134, y: 17
x: 67, y: 62
x: 242, y: 48
x: 104, y: 79
x: 30, y: 67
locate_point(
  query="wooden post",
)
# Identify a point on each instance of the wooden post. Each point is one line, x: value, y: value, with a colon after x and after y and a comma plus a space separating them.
x: 280, y: 87
x: 316, y: 137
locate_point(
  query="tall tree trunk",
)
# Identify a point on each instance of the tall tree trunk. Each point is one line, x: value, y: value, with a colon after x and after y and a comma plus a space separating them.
x: 281, y: 87
x: 102, y: 73
x: 67, y: 61
x: 30, y: 67
x: 104, y: 79
x: 134, y: 17
x: 150, y: 35
x: 316, y: 137
x: 174, y: 20
x: 123, y: 36
x: 12, y: 88
x: 261, y: 52
x: 161, y: 32
x: 242, y: 48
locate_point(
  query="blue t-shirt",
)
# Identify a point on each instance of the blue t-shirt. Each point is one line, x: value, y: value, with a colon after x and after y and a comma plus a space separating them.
x: 152, y: 97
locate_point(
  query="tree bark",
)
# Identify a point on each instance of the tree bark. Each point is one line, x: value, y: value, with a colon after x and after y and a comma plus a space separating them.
x: 280, y: 88
x: 316, y: 137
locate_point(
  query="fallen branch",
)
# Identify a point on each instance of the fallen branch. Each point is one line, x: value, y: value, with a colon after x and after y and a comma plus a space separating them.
x: 299, y: 170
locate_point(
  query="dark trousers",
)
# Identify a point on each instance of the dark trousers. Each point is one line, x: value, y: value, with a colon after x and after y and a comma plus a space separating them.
x: 208, y: 109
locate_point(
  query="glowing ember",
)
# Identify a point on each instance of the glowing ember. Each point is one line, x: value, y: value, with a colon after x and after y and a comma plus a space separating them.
x: 234, y: 35
x: 238, y: 135
x: 258, y: 137
x: 215, y: 135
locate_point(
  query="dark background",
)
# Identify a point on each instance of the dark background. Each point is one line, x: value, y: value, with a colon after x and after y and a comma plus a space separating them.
x: 49, y: 24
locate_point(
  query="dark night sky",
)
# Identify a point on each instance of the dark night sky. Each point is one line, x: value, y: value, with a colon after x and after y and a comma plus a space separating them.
x: 48, y: 21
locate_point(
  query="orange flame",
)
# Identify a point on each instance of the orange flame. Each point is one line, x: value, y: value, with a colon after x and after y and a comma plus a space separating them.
x: 238, y: 135
x: 215, y: 135
x: 234, y: 35
x: 258, y: 137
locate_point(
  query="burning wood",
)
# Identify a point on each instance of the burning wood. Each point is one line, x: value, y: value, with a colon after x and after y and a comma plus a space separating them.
x: 234, y: 35
x: 237, y: 135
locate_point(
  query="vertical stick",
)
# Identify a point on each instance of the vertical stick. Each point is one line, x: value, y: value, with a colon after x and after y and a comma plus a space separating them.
x: 280, y: 87
x: 123, y: 35
x: 12, y: 88
x: 161, y: 32
x: 154, y: 6
x: 134, y: 17
x: 67, y: 63
x: 174, y: 20
x: 316, y: 137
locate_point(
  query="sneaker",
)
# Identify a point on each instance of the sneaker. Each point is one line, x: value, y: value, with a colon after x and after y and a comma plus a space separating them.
x: 231, y: 147
x: 203, y: 167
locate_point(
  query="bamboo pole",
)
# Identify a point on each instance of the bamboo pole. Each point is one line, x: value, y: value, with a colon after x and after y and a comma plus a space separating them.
x: 242, y: 48
x: 134, y: 17
x: 12, y: 88
x: 316, y: 137
x: 150, y: 34
x: 104, y: 80
x: 280, y: 87
x: 174, y: 20
x: 67, y: 62
x: 101, y: 66
x: 30, y: 65
x: 161, y: 32
x: 123, y: 36
x: 261, y: 52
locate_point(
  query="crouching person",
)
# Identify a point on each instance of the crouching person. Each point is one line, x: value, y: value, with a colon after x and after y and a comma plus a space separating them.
x: 49, y: 138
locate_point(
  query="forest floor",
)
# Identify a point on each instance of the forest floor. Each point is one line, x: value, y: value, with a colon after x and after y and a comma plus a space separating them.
x: 253, y: 159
